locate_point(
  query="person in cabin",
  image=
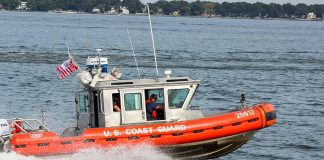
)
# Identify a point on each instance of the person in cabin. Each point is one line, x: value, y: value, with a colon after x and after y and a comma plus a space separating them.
x: 116, y: 102
x: 152, y: 107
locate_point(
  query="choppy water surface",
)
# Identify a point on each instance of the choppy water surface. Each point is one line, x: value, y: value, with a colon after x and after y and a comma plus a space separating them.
x: 281, y: 62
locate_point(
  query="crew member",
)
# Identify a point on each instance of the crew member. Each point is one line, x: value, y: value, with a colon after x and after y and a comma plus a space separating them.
x: 152, y: 107
x: 116, y: 102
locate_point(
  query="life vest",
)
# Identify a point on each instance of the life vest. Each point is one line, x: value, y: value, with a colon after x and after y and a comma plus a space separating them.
x: 154, y: 113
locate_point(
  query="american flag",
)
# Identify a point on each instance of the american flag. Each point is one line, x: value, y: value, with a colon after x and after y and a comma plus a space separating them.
x: 66, y: 68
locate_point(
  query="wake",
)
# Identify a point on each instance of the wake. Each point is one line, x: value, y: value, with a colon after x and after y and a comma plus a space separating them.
x: 137, y: 152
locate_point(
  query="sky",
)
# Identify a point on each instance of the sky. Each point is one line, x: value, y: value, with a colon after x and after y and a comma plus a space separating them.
x: 253, y: 1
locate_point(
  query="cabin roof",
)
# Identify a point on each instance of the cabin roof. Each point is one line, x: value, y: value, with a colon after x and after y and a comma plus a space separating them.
x: 146, y: 82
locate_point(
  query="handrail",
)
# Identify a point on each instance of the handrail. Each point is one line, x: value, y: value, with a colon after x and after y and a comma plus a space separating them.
x: 13, y: 122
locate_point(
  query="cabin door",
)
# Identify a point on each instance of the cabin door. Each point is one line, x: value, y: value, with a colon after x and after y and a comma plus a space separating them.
x: 82, y: 110
x: 132, y: 106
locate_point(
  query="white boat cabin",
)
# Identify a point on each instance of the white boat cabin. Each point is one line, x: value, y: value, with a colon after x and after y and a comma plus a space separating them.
x: 95, y: 106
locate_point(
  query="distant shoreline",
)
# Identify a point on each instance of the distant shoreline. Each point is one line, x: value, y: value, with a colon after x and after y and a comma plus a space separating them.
x: 220, y: 17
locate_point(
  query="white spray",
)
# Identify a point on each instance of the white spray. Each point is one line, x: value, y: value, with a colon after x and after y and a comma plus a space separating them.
x: 138, y: 152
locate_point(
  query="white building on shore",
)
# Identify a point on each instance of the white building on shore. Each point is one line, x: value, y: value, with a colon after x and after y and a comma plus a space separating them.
x: 311, y: 15
x: 23, y: 6
x: 124, y: 10
x: 121, y: 10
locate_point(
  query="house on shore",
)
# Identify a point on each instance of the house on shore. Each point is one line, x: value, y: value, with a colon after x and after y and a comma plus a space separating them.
x: 311, y: 16
x: 99, y: 9
x: 176, y: 13
x: 22, y: 6
x: 121, y: 10
x: 124, y: 10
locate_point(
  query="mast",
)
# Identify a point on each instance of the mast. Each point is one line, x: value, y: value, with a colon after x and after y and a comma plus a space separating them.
x: 130, y: 41
x: 148, y: 10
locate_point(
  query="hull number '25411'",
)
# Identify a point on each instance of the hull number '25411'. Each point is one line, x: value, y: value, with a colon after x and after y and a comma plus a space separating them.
x: 244, y: 114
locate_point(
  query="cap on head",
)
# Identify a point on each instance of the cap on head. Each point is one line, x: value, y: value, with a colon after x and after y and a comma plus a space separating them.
x: 154, y: 96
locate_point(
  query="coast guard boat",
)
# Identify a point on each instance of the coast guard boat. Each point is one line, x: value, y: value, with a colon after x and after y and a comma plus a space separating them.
x: 179, y: 129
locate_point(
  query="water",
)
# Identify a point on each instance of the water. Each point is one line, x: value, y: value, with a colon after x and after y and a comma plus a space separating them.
x: 281, y: 62
x: 116, y: 153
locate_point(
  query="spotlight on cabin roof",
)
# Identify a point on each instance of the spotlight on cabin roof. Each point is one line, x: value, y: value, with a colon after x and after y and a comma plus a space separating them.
x: 84, y: 77
x: 168, y: 73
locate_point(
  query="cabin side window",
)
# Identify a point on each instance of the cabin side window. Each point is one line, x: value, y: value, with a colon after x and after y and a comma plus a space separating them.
x: 177, y: 97
x: 133, y: 101
x: 83, y: 102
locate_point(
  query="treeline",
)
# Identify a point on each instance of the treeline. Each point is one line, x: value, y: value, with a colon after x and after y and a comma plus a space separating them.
x: 134, y: 6
x: 177, y: 7
x: 237, y: 9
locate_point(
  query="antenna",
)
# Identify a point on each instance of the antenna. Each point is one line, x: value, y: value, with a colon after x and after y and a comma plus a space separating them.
x: 68, y: 47
x: 44, y: 116
x: 87, y: 41
x: 148, y: 10
x: 99, y: 60
x: 130, y: 41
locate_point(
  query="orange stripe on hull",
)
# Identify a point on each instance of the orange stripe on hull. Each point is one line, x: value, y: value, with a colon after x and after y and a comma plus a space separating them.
x: 49, y: 143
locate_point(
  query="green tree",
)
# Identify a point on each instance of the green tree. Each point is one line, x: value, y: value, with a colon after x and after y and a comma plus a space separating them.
x: 224, y: 9
x: 10, y: 4
x: 301, y: 9
x: 165, y: 6
x: 258, y: 9
x: 57, y: 5
x: 209, y: 7
x: 134, y: 6
x: 154, y: 9
x: 275, y: 10
x: 85, y: 5
x: 39, y: 5
x: 185, y: 8
x: 288, y: 9
x: 242, y: 9
x: 196, y: 8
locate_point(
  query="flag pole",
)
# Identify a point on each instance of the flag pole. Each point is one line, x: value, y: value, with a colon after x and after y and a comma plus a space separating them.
x: 68, y: 46
x: 73, y: 61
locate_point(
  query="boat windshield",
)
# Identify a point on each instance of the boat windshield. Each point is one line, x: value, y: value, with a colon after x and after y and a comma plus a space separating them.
x: 177, y: 97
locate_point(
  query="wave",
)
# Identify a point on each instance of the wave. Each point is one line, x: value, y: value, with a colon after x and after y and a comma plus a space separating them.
x: 303, y: 146
x: 170, y: 59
